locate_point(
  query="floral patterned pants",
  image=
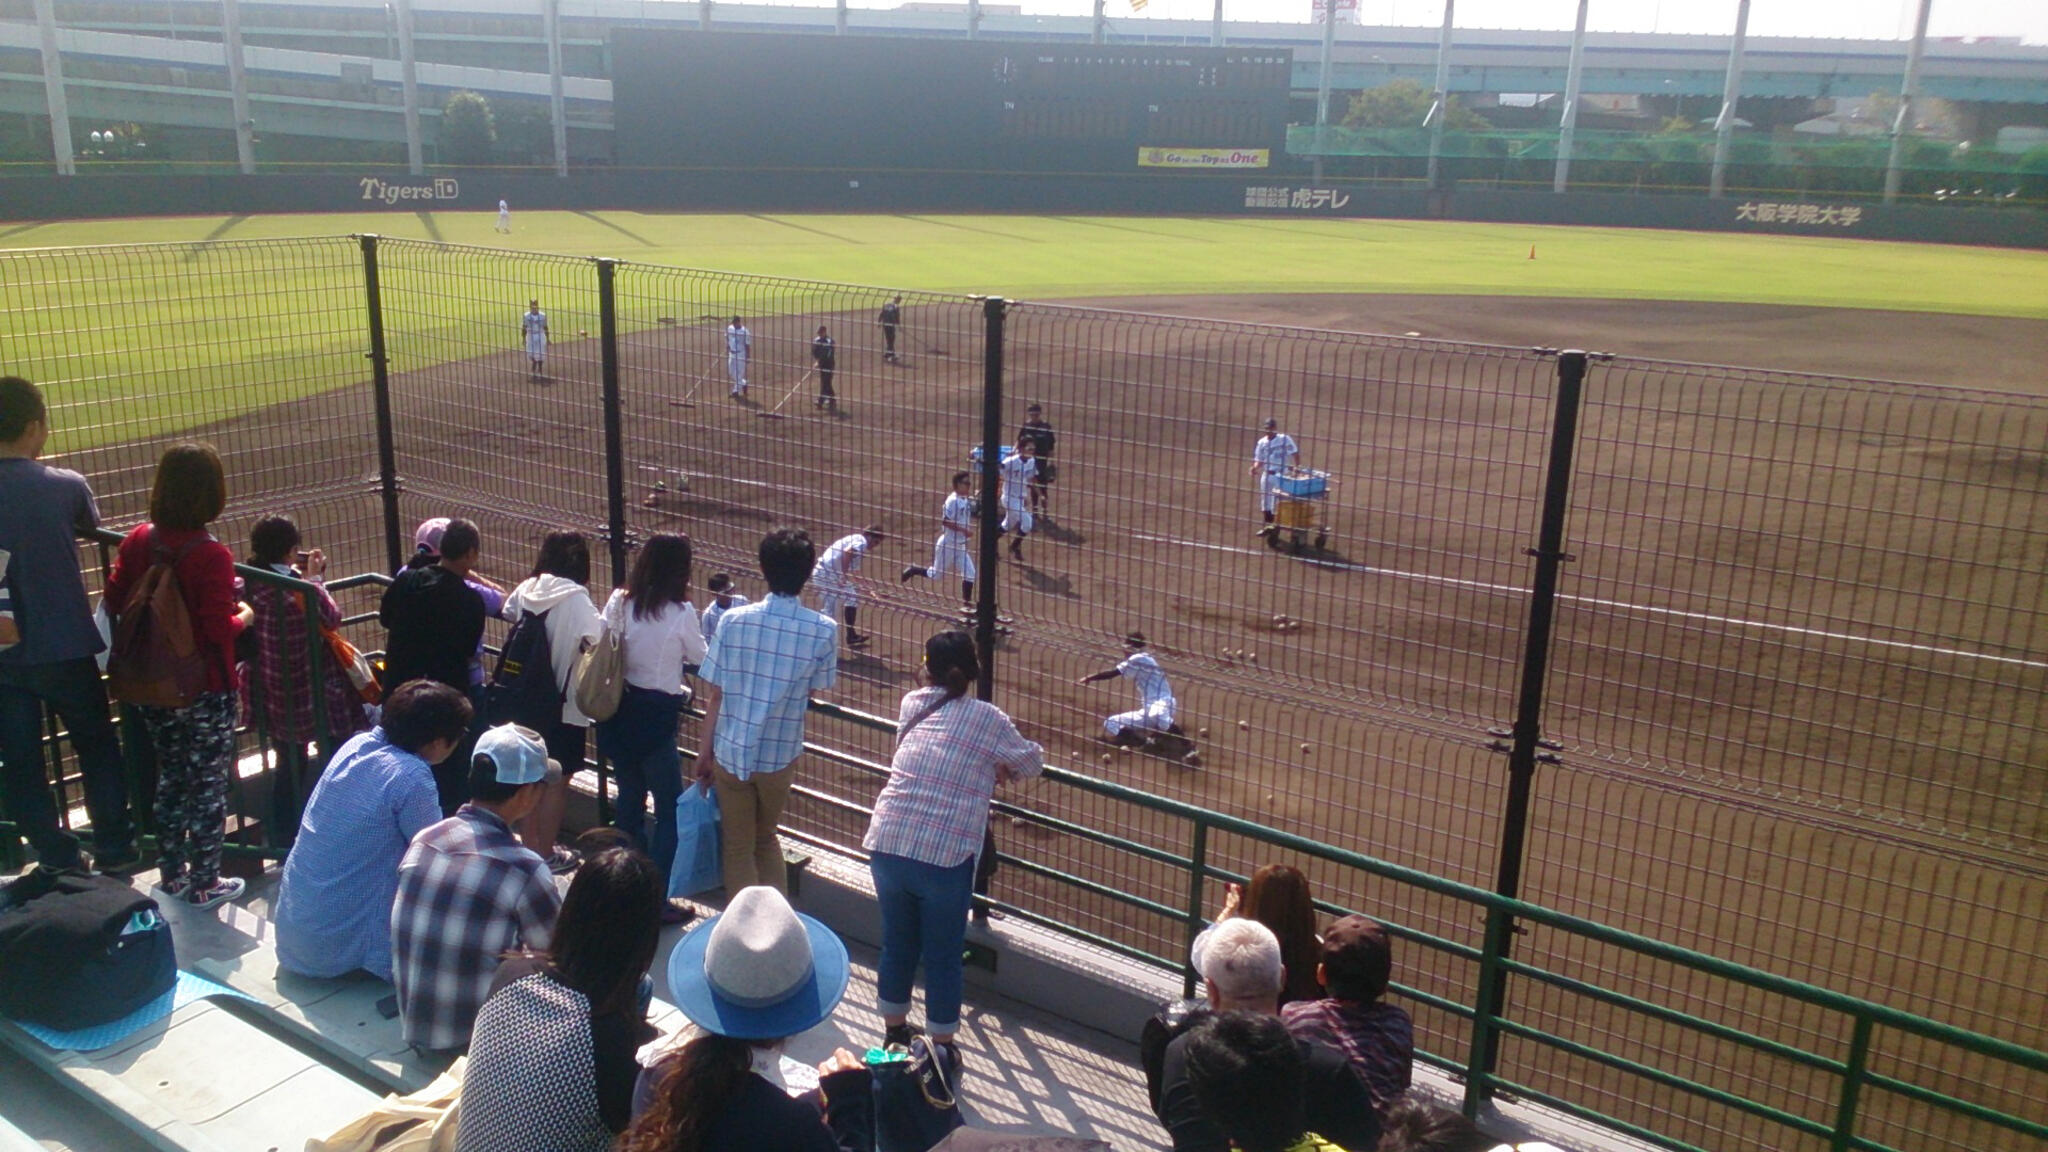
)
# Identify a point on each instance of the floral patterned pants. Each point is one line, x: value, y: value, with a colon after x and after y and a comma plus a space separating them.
x: 195, y: 754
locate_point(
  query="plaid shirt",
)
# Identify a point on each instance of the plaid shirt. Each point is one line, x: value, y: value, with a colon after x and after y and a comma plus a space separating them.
x: 277, y: 686
x: 468, y: 892
x: 1377, y: 1038
x: 935, y: 805
x: 766, y: 660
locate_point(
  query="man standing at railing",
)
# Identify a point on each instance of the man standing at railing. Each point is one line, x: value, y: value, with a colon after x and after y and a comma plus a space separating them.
x: 50, y: 663
x: 1272, y: 456
x: 766, y: 660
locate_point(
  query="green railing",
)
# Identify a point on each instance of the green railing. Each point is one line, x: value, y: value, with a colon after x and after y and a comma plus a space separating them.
x: 1853, y: 1068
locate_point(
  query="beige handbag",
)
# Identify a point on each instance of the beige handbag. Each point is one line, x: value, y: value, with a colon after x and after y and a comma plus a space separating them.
x: 601, y: 675
x: 425, y: 1121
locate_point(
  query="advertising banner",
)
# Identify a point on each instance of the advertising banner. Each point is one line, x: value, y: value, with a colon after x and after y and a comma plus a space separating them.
x: 1204, y: 157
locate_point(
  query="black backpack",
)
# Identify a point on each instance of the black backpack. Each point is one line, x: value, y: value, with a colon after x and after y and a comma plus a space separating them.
x: 523, y: 689
x: 79, y: 951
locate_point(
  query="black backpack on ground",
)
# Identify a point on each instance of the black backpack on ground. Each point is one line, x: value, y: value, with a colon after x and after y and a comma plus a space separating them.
x: 523, y: 689
x: 79, y: 951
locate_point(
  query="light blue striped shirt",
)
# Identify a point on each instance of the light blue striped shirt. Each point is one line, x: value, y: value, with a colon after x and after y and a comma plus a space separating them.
x: 766, y: 660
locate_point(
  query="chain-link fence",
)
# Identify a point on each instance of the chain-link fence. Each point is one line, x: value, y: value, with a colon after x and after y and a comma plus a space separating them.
x: 1743, y: 661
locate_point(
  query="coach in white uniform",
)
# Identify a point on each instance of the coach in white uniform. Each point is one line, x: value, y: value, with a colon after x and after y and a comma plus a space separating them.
x: 956, y: 531
x: 504, y: 216
x: 1272, y: 456
x: 833, y: 578
x: 1156, y: 706
x: 535, y: 325
x: 739, y: 344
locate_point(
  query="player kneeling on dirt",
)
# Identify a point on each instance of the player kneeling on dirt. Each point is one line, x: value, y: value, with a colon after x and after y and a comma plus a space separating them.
x: 1152, y: 724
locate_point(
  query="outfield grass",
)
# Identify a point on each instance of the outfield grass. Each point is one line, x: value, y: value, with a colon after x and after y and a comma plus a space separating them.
x: 1063, y: 257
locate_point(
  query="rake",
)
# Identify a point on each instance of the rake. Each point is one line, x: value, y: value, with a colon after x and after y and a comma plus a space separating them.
x: 776, y: 413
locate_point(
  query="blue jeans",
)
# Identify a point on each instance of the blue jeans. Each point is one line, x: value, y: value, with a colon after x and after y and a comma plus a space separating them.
x: 924, y: 917
x: 640, y: 741
x: 72, y: 689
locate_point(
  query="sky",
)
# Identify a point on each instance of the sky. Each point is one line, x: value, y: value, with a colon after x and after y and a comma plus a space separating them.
x: 1841, y: 19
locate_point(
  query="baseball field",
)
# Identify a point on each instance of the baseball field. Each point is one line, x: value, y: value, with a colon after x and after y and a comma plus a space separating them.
x: 1798, y: 674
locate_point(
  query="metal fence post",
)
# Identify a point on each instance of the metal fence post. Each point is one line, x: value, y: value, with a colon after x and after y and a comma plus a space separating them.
x: 1522, y: 753
x: 380, y: 375
x: 614, y: 432
x: 993, y: 311
x: 1198, y: 877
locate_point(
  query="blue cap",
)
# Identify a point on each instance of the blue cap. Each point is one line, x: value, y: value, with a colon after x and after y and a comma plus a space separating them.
x: 517, y: 752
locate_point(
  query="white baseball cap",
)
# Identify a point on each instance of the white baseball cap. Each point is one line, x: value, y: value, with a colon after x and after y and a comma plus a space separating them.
x: 517, y: 753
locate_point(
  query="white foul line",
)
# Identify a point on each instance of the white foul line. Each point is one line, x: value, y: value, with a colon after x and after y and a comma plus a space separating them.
x: 1644, y: 609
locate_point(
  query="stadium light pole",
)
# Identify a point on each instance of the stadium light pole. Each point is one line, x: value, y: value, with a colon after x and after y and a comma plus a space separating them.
x: 551, y: 11
x: 1101, y: 27
x: 1440, y: 106
x: 409, y: 75
x: 1216, y: 26
x: 1323, y: 85
x: 839, y: 19
x: 1731, y: 93
x: 238, y: 85
x: 974, y: 19
x: 53, y: 90
x: 1909, y: 89
x: 1569, y: 125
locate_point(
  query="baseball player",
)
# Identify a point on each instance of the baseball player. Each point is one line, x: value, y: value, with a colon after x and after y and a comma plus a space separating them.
x: 1019, y: 472
x: 535, y: 325
x: 956, y: 532
x: 739, y: 344
x: 825, y: 354
x: 1272, y: 456
x: 892, y: 315
x: 833, y: 578
x: 504, y: 217
x: 1042, y: 438
x: 1156, y: 706
x: 722, y: 598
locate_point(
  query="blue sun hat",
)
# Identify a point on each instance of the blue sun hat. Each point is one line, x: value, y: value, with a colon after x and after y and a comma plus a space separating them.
x: 760, y: 970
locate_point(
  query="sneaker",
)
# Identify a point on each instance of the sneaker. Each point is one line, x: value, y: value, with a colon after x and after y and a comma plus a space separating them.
x: 219, y: 892
x: 174, y: 887
x: 900, y: 1035
x: 856, y: 639
x: 910, y: 574
x: 123, y: 864
x: 564, y: 860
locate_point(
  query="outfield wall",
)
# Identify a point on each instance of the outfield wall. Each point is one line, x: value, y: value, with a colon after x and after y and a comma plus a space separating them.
x: 840, y: 190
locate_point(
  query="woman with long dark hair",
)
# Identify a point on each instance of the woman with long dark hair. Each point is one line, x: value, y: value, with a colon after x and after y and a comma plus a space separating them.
x: 657, y: 628
x: 558, y: 588
x: 1279, y: 898
x: 750, y: 978
x: 951, y: 752
x: 551, y: 1056
x: 195, y: 743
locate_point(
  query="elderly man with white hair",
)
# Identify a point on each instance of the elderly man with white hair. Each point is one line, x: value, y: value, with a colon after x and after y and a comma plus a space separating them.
x: 1239, y: 962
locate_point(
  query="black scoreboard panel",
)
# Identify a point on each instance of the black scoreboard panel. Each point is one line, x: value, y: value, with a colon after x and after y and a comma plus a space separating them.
x: 760, y: 100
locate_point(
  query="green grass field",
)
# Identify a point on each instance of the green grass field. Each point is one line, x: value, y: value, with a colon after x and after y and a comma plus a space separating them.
x: 1065, y: 257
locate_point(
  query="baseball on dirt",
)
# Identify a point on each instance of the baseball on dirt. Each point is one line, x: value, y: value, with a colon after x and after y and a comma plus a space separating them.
x: 1304, y: 747
x: 1244, y: 725
x: 582, y: 332
x: 1202, y: 731
x: 1253, y: 657
x: 1106, y: 757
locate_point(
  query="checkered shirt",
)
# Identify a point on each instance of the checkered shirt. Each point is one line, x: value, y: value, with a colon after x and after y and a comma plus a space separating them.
x: 468, y: 892
x: 766, y: 660
x: 1378, y: 1039
x: 935, y: 806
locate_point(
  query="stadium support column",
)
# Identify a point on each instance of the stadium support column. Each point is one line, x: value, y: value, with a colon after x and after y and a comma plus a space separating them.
x: 1323, y: 85
x: 994, y: 312
x: 238, y: 85
x: 1216, y: 26
x: 1731, y: 94
x: 1569, y: 125
x: 1100, y: 28
x: 409, y: 76
x: 1440, y: 107
x: 1909, y: 90
x: 53, y: 90
x: 974, y: 19
x: 552, y: 11
x: 703, y: 15
x: 839, y: 19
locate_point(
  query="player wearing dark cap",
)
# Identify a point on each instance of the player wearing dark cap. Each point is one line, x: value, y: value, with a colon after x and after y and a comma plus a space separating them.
x: 1040, y: 433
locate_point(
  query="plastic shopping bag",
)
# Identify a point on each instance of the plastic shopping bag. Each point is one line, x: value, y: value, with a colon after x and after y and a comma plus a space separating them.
x: 700, y: 863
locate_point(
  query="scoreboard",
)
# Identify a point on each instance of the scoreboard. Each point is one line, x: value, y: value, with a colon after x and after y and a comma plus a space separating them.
x: 755, y: 100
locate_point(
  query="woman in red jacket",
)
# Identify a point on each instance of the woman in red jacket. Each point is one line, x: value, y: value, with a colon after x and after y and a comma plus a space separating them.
x: 195, y: 744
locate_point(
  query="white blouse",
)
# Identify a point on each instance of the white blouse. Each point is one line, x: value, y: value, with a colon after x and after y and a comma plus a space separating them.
x: 656, y: 648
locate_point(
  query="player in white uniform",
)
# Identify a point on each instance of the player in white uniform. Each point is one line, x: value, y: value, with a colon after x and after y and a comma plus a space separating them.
x: 956, y: 532
x: 504, y: 217
x: 723, y: 598
x: 1272, y: 456
x: 1156, y: 706
x: 535, y: 325
x: 833, y: 578
x: 1019, y: 472
x: 739, y: 344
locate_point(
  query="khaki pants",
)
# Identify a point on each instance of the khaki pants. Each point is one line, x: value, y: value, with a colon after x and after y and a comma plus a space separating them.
x: 748, y: 812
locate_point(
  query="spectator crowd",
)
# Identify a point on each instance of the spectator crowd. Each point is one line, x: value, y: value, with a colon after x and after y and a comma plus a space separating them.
x: 424, y: 851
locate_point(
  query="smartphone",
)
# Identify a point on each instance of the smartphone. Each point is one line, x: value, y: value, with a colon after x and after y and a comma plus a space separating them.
x: 304, y: 556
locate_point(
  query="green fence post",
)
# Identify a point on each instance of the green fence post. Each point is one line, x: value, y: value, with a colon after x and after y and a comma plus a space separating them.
x: 1198, y: 873
x: 993, y: 311
x: 1479, y: 1061
x: 380, y: 379
x: 1852, y: 1086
